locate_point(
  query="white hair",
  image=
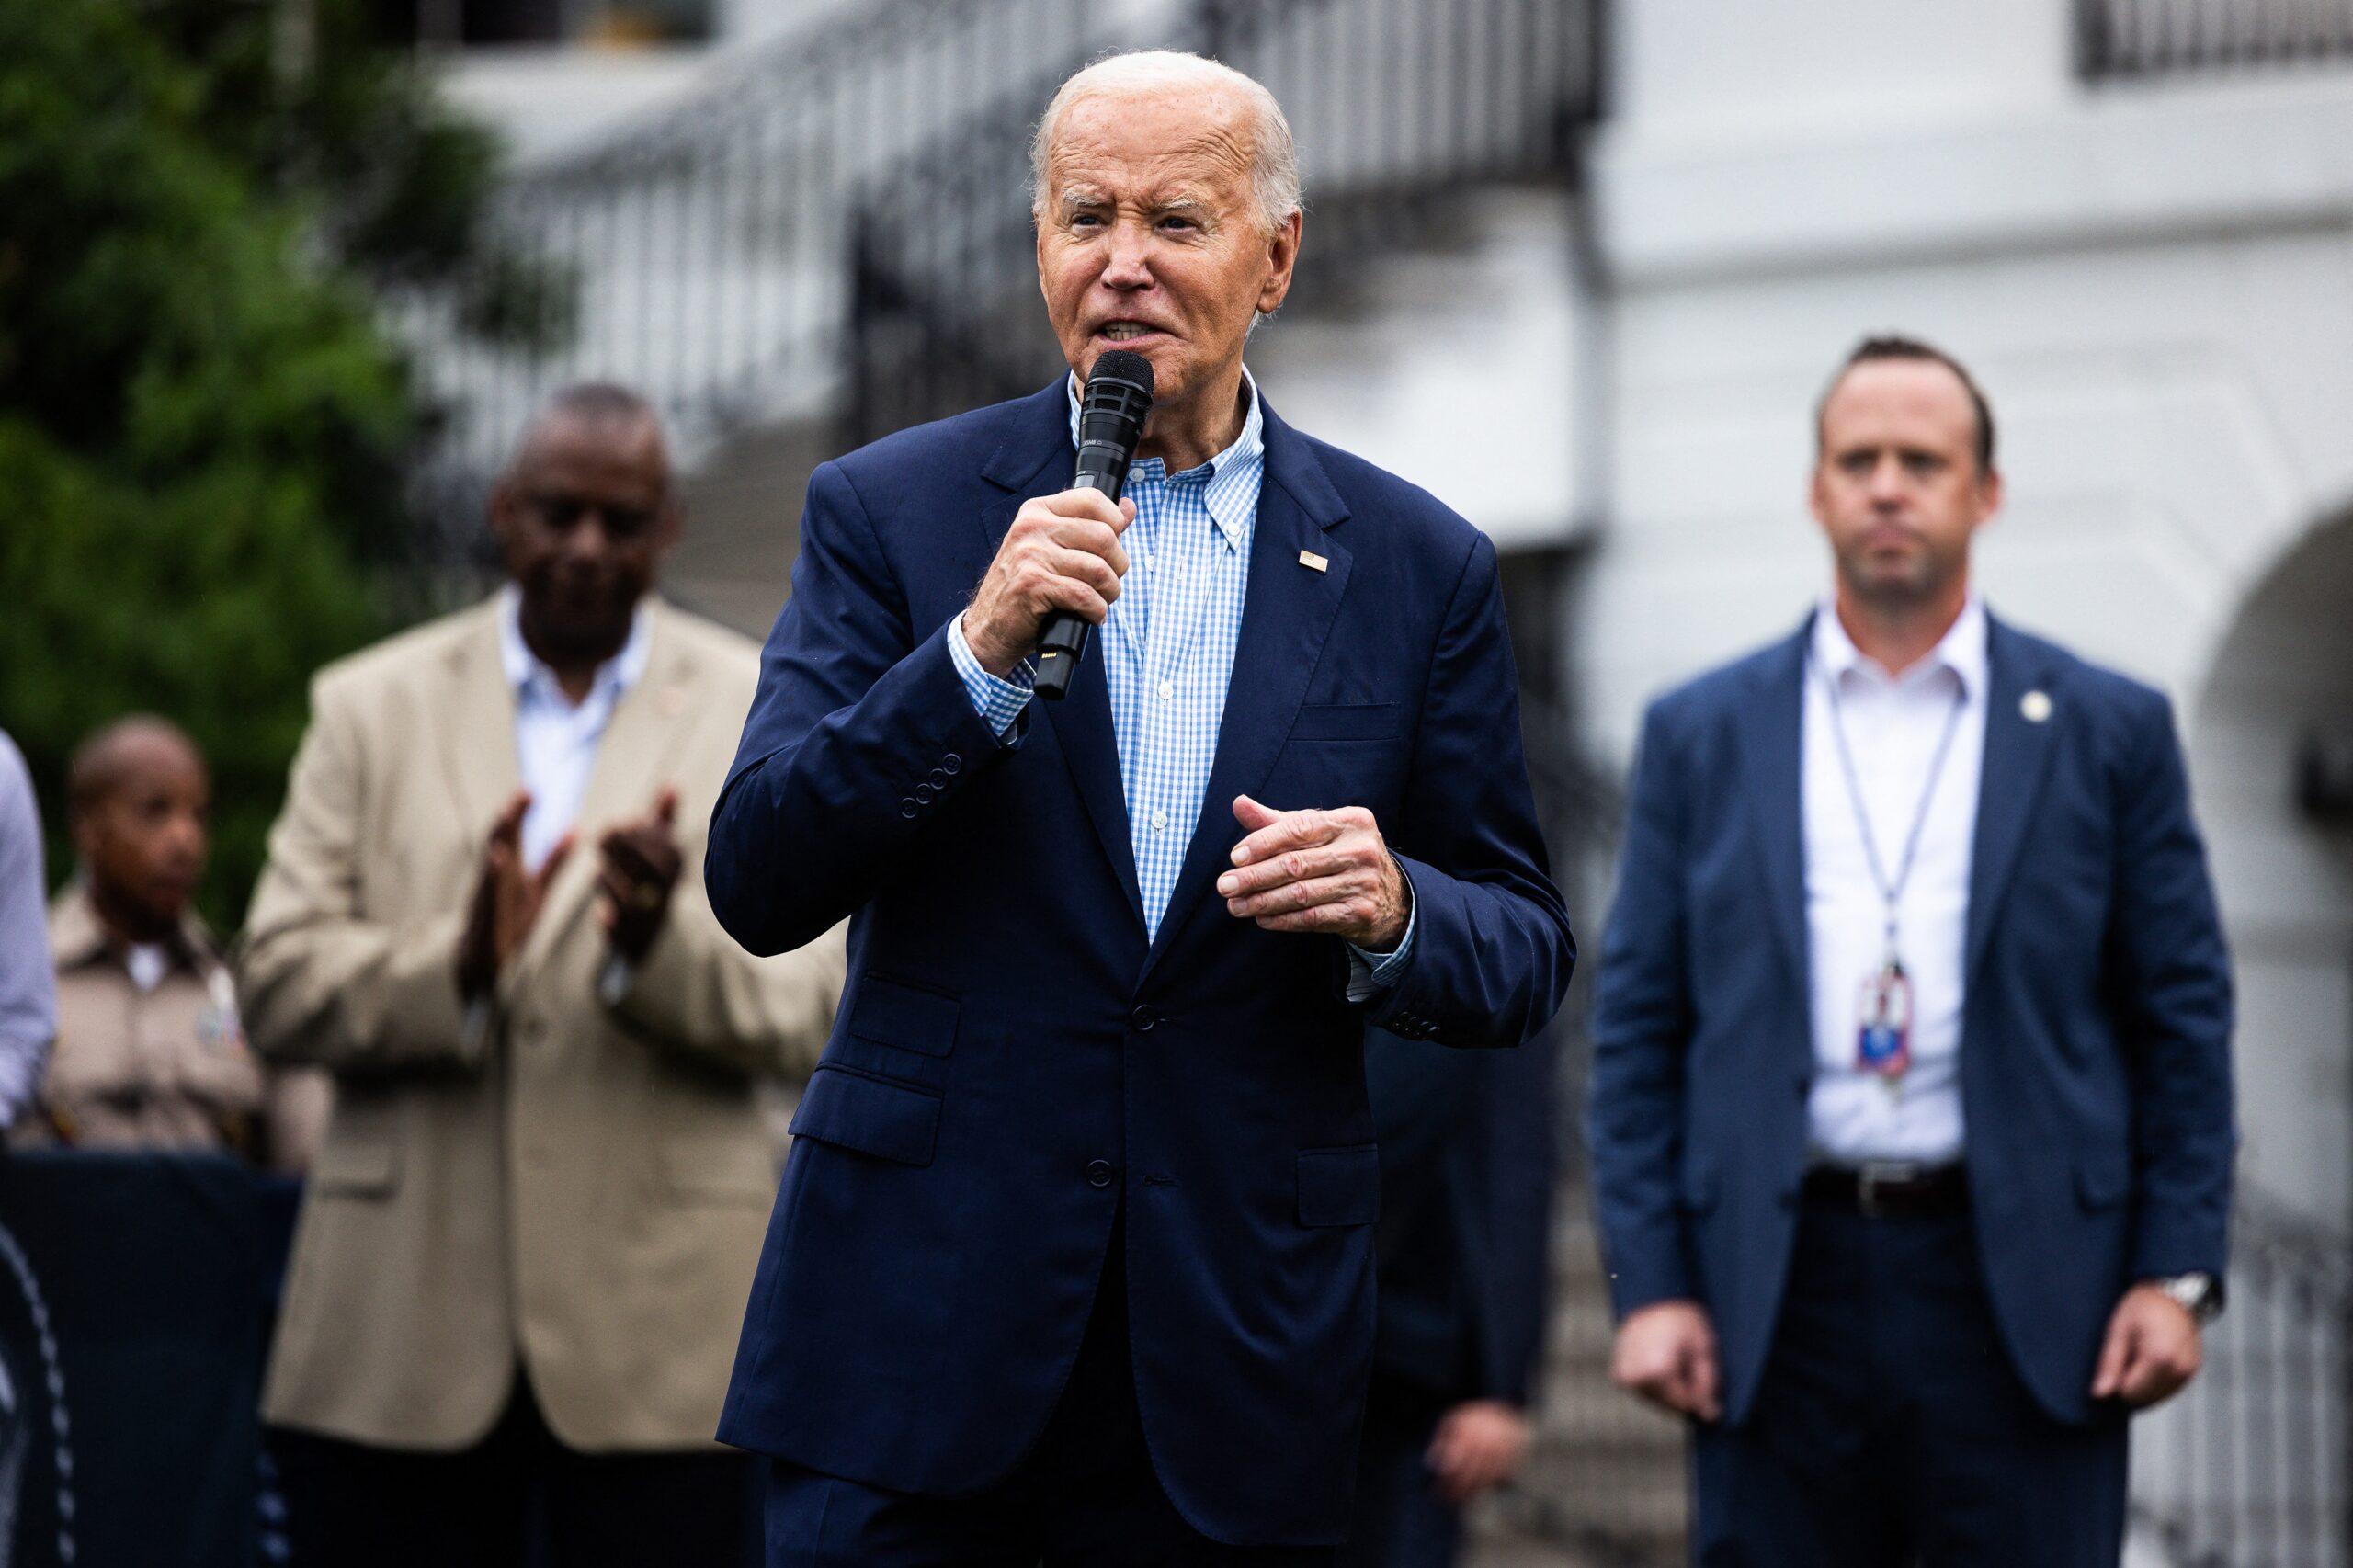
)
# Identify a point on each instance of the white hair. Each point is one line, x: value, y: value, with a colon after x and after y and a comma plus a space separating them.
x: 1274, y: 157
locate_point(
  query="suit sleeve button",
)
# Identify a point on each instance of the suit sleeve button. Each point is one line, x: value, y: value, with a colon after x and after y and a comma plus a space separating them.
x: 951, y: 763
x: 1098, y: 1173
x: 907, y: 808
x: 939, y: 778
x: 923, y: 793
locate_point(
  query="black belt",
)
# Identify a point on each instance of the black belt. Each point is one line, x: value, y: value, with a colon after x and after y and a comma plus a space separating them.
x: 1888, y: 1188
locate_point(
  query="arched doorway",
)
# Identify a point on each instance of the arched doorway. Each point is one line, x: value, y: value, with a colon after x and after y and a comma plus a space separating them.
x: 2279, y: 693
x: 2254, y: 1462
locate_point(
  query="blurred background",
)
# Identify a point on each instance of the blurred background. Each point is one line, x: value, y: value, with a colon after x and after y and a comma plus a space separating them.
x: 279, y: 279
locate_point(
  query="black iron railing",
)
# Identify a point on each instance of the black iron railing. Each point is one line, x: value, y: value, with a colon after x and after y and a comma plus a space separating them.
x: 707, y: 247
x: 2251, y: 1467
x: 1395, y: 104
x: 839, y: 224
x: 2161, y: 38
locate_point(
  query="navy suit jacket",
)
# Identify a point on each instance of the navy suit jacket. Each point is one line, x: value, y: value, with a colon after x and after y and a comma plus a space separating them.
x: 1468, y: 1155
x: 2094, y: 1056
x: 1015, y: 1064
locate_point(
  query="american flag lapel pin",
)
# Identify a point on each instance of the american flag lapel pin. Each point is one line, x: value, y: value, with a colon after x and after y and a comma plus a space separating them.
x: 1313, y: 562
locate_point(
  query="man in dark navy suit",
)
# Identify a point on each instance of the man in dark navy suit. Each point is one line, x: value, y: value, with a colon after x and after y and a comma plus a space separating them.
x: 1468, y: 1157
x: 1910, y: 1114
x: 1073, y: 1256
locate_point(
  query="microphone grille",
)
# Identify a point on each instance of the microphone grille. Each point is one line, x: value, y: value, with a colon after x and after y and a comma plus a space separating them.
x: 1122, y: 365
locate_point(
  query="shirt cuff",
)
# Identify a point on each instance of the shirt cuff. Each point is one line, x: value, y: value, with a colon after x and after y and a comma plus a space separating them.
x: 22, y: 1064
x: 480, y: 1024
x: 614, y: 977
x: 998, y: 702
x: 1370, y: 973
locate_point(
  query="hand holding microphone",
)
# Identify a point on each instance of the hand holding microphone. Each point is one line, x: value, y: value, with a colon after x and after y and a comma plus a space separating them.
x: 1056, y: 574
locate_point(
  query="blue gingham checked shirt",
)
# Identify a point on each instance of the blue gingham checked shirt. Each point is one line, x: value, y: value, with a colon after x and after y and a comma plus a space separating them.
x: 1167, y: 648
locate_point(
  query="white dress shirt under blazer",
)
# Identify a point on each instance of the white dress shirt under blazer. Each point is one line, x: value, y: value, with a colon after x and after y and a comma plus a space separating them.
x: 556, y: 739
x: 1892, y: 726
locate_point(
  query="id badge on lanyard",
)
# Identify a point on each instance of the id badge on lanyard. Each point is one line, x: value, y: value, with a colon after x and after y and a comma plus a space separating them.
x: 1884, y: 1023
x: 1883, y: 1007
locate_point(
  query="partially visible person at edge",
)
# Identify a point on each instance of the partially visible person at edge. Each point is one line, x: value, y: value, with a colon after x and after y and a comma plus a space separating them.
x: 1073, y: 1261
x: 507, y: 1330
x: 27, y: 980
x: 1468, y: 1149
x: 150, y: 1052
x: 1911, y: 1099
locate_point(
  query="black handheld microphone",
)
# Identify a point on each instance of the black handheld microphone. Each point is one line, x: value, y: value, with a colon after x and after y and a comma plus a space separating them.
x: 1110, y: 423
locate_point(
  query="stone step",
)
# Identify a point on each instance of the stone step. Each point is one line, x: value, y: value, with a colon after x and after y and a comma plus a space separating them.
x: 743, y: 522
x: 1580, y: 1333
x: 1500, y: 1546
x: 1593, y: 1495
x: 1609, y: 1419
x: 1605, y: 1483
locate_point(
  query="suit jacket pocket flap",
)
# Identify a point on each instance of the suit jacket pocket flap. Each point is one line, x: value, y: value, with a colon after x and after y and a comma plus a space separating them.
x: 1346, y: 722
x: 1340, y: 1187
x: 2102, y: 1181
x: 890, y: 1013
x: 874, y: 1116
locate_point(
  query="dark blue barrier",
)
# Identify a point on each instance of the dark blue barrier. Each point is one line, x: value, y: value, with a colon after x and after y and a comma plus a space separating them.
x: 133, y: 1299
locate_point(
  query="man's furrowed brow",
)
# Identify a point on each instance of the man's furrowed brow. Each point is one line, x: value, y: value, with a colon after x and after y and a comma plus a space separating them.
x: 1171, y: 204
x: 1183, y: 204
x: 1079, y: 198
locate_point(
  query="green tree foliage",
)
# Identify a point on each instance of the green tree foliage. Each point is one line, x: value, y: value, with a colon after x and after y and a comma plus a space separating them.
x: 201, y: 423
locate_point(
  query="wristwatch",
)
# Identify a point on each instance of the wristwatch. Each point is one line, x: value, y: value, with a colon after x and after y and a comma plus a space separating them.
x: 2201, y: 1294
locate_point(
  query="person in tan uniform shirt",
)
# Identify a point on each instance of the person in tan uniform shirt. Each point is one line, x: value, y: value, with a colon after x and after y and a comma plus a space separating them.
x: 531, y: 1233
x: 150, y: 1054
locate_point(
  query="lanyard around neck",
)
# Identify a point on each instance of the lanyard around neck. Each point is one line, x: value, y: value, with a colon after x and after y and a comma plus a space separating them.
x: 1890, y: 892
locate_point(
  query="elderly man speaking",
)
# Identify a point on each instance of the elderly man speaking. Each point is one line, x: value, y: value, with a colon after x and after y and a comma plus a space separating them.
x: 1073, y: 1261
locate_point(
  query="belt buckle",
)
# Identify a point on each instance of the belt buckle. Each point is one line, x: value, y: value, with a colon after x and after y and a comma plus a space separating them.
x: 1873, y: 1175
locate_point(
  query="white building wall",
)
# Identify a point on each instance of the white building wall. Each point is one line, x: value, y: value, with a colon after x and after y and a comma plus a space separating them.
x: 2155, y: 286
x: 1469, y: 371
x: 1701, y: 71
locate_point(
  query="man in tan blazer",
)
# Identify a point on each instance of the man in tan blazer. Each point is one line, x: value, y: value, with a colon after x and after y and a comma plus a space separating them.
x: 531, y: 1232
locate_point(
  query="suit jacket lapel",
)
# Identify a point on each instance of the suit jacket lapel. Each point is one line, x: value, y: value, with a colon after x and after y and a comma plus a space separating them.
x: 2017, y: 755
x: 1773, y: 743
x: 1081, y: 721
x: 477, y: 742
x: 1286, y: 611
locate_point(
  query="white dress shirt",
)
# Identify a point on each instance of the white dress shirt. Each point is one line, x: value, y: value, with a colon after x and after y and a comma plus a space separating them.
x: 555, y: 740
x: 1892, y: 726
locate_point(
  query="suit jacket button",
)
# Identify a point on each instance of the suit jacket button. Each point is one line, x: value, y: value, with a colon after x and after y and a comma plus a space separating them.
x: 1098, y: 1173
x: 907, y: 808
x: 1143, y: 1019
x: 951, y: 763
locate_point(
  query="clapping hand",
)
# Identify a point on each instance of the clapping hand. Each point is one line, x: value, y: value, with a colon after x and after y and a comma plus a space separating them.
x: 506, y: 901
x: 638, y: 869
